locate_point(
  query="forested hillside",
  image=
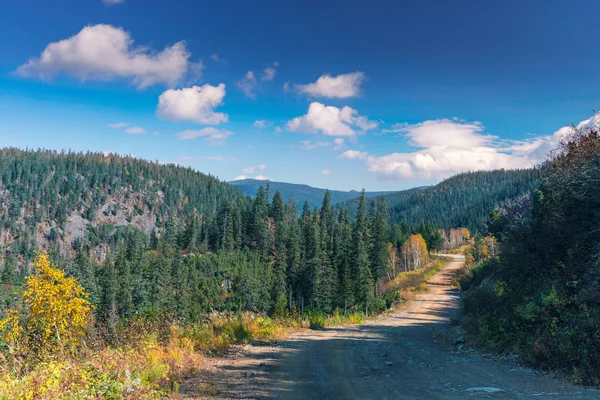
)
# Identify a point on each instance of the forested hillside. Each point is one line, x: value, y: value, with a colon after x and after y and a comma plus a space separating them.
x: 299, y: 193
x: 51, y: 200
x: 102, y: 251
x: 464, y: 200
x: 541, y: 297
x: 142, y: 236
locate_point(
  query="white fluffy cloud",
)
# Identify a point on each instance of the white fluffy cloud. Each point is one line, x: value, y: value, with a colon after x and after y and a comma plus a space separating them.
x: 338, y: 144
x: 354, y: 154
x: 340, y: 87
x: 254, y: 168
x: 270, y: 72
x: 132, y: 130
x: 103, y: 52
x: 447, y: 147
x: 326, y: 172
x: 257, y: 177
x: 262, y: 123
x: 248, y: 84
x: 310, y: 145
x: 119, y: 125
x: 195, y: 104
x: 211, y: 135
x: 135, y: 130
x: 331, y: 121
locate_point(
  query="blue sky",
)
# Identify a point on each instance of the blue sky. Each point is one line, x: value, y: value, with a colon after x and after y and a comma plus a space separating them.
x: 383, y: 95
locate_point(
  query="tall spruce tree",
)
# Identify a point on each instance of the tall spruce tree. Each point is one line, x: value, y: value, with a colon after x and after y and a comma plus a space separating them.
x: 379, y: 240
x: 9, y: 272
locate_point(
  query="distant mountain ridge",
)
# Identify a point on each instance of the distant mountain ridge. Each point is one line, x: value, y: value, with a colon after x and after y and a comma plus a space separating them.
x: 299, y: 192
x: 463, y: 200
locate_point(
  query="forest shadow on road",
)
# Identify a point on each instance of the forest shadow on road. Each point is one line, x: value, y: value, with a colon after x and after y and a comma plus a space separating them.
x: 394, y: 356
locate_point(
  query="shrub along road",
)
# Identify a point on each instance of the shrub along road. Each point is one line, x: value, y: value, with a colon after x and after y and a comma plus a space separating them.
x: 396, y: 356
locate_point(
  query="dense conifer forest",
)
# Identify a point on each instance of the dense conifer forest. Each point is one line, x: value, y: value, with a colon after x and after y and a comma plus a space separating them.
x: 149, y: 253
x: 145, y: 238
x: 540, y: 297
x: 463, y: 200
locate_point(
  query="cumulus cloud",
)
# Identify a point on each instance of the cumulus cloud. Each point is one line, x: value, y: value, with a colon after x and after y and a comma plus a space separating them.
x: 338, y: 144
x: 278, y: 129
x: 132, y: 130
x: 331, y: 121
x: 447, y: 147
x: 339, y: 87
x: 247, y: 84
x: 135, y: 130
x: 354, y: 154
x: 195, y: 104
x: 270, y: 72
x: 211, y: 135
x: 254, y: 168
x: 119, y: 125
x: 397, y: 127
x: 262, y: 123
x: 326, y: 172
x: 216, y: 58
x: 257, y: 177
x: 310, y: 145
x: 103, y: 52
x: 112, y: 2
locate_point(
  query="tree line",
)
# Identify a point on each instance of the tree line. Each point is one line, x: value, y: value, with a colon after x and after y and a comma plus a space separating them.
x: 463, y: 200
x: 266, y: 257
x: 538, y: 294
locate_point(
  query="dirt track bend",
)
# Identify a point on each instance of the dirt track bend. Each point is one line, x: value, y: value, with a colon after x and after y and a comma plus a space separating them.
x: 393, y: 357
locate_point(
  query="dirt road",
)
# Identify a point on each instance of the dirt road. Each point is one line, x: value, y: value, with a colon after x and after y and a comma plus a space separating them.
x: 394, y: 357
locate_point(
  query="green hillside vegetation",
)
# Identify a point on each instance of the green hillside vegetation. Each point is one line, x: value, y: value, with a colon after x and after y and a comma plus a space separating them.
x: 169, y: 260
x: 51, y: 200
x: 299, y: 193
x: 464, y: 200
x: 540, y: 297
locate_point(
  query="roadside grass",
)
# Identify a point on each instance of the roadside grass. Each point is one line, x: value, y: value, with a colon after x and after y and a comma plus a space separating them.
x: 155, y: 359
x: 151, y: 359
x: 412, y: 282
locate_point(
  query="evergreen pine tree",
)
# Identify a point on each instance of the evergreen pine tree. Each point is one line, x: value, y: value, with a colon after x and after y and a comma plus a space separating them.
x: 107, y: 309
x: 124, y: 280
x: 9, y: 272
x: 279, y: 291
x: 379, y: 236
x: 277, y: 207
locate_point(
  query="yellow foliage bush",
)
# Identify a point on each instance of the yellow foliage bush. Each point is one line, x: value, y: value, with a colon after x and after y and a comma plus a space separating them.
x: 151, y: 360
x: 58, y: 309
